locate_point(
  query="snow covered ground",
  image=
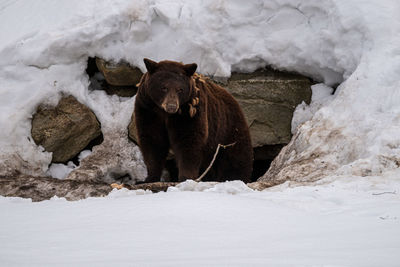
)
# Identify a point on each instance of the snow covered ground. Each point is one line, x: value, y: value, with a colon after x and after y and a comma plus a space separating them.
x: 341, y: 223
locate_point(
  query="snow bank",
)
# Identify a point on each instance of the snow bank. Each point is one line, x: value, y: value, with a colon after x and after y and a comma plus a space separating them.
x: 229, y: 187
x: 346, y: 223
x: 352, y: 43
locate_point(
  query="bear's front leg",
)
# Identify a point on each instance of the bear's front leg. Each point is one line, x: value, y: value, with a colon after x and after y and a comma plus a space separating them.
x: 153, y: 143
x: 188, y: 164
x: 187, y: 138
x: 188, y: 157
x: 155, y: 161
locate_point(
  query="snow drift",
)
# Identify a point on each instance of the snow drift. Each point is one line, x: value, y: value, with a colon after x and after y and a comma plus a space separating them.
x: 206, y: 225
x: 355, y: 43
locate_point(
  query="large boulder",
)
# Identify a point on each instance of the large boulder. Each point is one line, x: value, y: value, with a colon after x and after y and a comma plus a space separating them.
x: 119, y: 74
x: 268, y: 99
x: 65, y: 129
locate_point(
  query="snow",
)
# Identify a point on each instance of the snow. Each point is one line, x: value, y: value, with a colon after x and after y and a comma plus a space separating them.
x: 61, y: 171
x: 321, y: 95
x: 344, y: 222
x: 348, y: 141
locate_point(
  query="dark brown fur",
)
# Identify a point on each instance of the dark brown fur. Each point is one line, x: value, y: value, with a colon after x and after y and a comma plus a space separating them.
x: 180, y: 110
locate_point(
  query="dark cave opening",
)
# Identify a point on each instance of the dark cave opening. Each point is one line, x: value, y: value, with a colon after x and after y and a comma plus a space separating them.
x: 263, y: 156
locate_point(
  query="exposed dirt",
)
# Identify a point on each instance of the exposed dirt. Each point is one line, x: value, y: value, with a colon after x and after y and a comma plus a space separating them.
x: 42, y: 188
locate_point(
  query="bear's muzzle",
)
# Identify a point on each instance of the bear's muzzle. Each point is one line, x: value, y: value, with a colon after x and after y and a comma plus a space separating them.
x: 171, y: 108
x: 171, y: 102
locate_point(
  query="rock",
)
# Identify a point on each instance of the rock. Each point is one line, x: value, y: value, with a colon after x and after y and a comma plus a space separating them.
x: 115, y: 159
x: 153, y: 187
x: 65, y: 129
x: 119, y: 74
x: 268, y: 99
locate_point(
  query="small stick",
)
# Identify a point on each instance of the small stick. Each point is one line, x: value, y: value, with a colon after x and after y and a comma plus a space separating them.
x: 212, y: 161
x: 377, y: 194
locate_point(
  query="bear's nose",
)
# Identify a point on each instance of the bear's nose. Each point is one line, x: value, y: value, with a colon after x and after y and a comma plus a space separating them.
x: 171, y: 108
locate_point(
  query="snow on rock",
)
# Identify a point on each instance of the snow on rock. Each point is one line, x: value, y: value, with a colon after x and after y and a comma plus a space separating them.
x: 352, y: 43
x: 116, y: 157
x: 84, y: 154
x: 60, y: 171
x: 321, y: 95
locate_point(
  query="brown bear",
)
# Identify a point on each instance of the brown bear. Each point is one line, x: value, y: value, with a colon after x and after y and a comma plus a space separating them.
x: 180, y: 110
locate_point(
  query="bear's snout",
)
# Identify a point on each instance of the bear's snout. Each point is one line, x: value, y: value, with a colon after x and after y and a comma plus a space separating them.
x: 171, y: 108
x: 171, y: 102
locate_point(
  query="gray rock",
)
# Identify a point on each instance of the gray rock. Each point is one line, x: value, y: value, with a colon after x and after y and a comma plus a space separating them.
x: 119, y: 74
x: 65, y: 129
x: 268, y: 99
x: 116, y: 158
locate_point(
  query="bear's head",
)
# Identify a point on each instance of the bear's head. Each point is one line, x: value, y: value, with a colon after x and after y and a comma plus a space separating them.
x: 169, y: 84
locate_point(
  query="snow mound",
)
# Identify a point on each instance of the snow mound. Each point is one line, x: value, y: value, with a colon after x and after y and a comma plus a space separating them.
x: 353, y: 43
x: 122, y: 193
x: 228, y: 187
x: 60, y: 171
x: 350, y: 222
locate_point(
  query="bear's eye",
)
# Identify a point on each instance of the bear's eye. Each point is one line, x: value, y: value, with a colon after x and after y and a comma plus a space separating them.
x: 163, y: 89
x: 180, y: 90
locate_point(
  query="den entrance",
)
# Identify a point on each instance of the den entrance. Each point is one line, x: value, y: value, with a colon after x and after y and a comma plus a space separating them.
x: 268, y: 99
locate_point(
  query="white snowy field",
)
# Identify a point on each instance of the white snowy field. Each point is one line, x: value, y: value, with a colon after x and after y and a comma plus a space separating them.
x: 336, y: 223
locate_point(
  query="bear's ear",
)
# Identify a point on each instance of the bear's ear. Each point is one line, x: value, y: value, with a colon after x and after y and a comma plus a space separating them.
x: 151, y: 65
x: 190, y: 69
